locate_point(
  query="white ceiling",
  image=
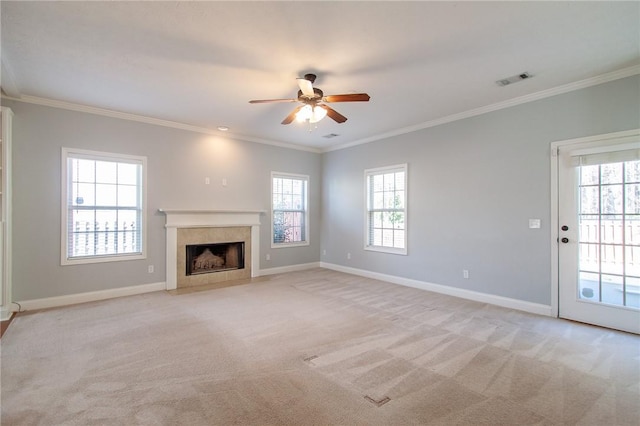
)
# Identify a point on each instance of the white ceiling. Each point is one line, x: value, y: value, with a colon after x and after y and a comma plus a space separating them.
x: 199, y: 63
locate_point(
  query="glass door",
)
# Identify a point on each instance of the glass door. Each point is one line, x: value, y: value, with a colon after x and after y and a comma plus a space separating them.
x: 599, y: 235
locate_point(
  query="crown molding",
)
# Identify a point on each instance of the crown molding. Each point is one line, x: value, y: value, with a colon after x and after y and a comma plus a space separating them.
x: 53, y: 103
x: 582, y: 84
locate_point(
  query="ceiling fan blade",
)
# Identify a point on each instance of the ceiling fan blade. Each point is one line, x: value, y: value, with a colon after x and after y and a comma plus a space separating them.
x: 265, y: 101
x: 292, y: 116
x: 306, y: 87
x: 333, y: 114
x: 351, y: 97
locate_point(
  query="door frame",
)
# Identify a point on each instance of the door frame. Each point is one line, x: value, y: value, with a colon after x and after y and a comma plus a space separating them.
x: 555, y: 205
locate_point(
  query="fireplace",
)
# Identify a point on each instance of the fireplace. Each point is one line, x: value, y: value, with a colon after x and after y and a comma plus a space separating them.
x: 215, y: 257
x: 211, y: 227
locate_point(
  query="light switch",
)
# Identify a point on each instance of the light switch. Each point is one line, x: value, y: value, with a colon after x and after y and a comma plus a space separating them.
x: 534, y: 223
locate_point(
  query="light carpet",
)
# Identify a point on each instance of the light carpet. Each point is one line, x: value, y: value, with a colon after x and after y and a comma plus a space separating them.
x: 316, y: 347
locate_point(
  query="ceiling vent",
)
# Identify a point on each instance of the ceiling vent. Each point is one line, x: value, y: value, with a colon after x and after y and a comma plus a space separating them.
x: 331, y: 135
x: 513, y: 79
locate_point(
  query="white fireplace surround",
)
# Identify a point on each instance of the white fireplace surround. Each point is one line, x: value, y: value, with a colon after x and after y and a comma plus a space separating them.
x: 208, y: 218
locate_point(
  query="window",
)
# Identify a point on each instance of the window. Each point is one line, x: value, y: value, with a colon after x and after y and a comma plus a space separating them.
x: 103, y: 207
x: 386, y: 220
x: 290, y: 224
x: 609, y: 229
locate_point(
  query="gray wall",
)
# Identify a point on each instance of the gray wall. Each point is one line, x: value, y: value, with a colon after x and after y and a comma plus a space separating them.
x: 178, y: 162
x: 473, y: 186
x: 473, y: 183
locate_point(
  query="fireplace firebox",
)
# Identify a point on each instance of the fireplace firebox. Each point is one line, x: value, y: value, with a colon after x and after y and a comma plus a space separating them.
x: 214, y: 257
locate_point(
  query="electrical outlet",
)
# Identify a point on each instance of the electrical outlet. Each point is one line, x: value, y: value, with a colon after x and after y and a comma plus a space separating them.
x: 268, y: 256
x: 224, y: 181
x: 151, y: 269
x: 324, y: 252
x: 348, y: 255
x: 465, y: 274
x: 207, y: 181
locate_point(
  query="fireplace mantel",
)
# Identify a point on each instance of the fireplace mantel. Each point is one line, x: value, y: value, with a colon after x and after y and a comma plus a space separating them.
x: 185, y: 218
x: 182, y: 218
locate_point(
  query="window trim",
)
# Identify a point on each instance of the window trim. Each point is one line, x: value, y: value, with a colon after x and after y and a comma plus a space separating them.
x: 306, y: 242
x: 404, y: 167
x: 64, y: 204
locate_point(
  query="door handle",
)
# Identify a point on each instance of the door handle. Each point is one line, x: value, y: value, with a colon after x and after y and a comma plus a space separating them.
x: 565, y: 240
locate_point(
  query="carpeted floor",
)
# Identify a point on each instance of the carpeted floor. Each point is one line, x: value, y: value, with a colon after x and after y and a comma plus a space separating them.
x: 313, y: 348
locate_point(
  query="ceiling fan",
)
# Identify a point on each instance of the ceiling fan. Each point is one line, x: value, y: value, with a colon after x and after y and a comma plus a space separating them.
x: 313, y: 109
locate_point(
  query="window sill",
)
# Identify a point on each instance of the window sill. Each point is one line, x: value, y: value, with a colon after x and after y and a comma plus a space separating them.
x: 289, y: 245
x: 101, y: 259
x: 388, y: 250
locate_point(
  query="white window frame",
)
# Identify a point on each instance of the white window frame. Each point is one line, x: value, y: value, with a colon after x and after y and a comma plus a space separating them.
x: 304, y: 178
x: 368, y: 173
x: 66, y: 193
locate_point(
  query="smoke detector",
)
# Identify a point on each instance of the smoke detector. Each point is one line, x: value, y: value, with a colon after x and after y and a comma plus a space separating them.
x: 513, y: 79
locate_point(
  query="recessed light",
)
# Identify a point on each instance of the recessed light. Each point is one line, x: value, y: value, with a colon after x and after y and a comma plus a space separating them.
x: 223, y: 128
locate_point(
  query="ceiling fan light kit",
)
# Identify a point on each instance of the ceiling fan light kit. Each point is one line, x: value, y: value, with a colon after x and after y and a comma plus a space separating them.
x: 310, y: 114
x: 313, y: 109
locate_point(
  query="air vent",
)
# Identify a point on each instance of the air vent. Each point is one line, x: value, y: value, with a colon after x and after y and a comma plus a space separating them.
x: 377, y: 402
x: 513, y: 79
x: 331, y: 135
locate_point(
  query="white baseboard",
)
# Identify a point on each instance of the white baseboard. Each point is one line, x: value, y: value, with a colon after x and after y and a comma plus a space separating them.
x: 285, y: 269
x: 92, y: 296
x: 521, y: 305
x: 505, y: 302
x: 5, y: 313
